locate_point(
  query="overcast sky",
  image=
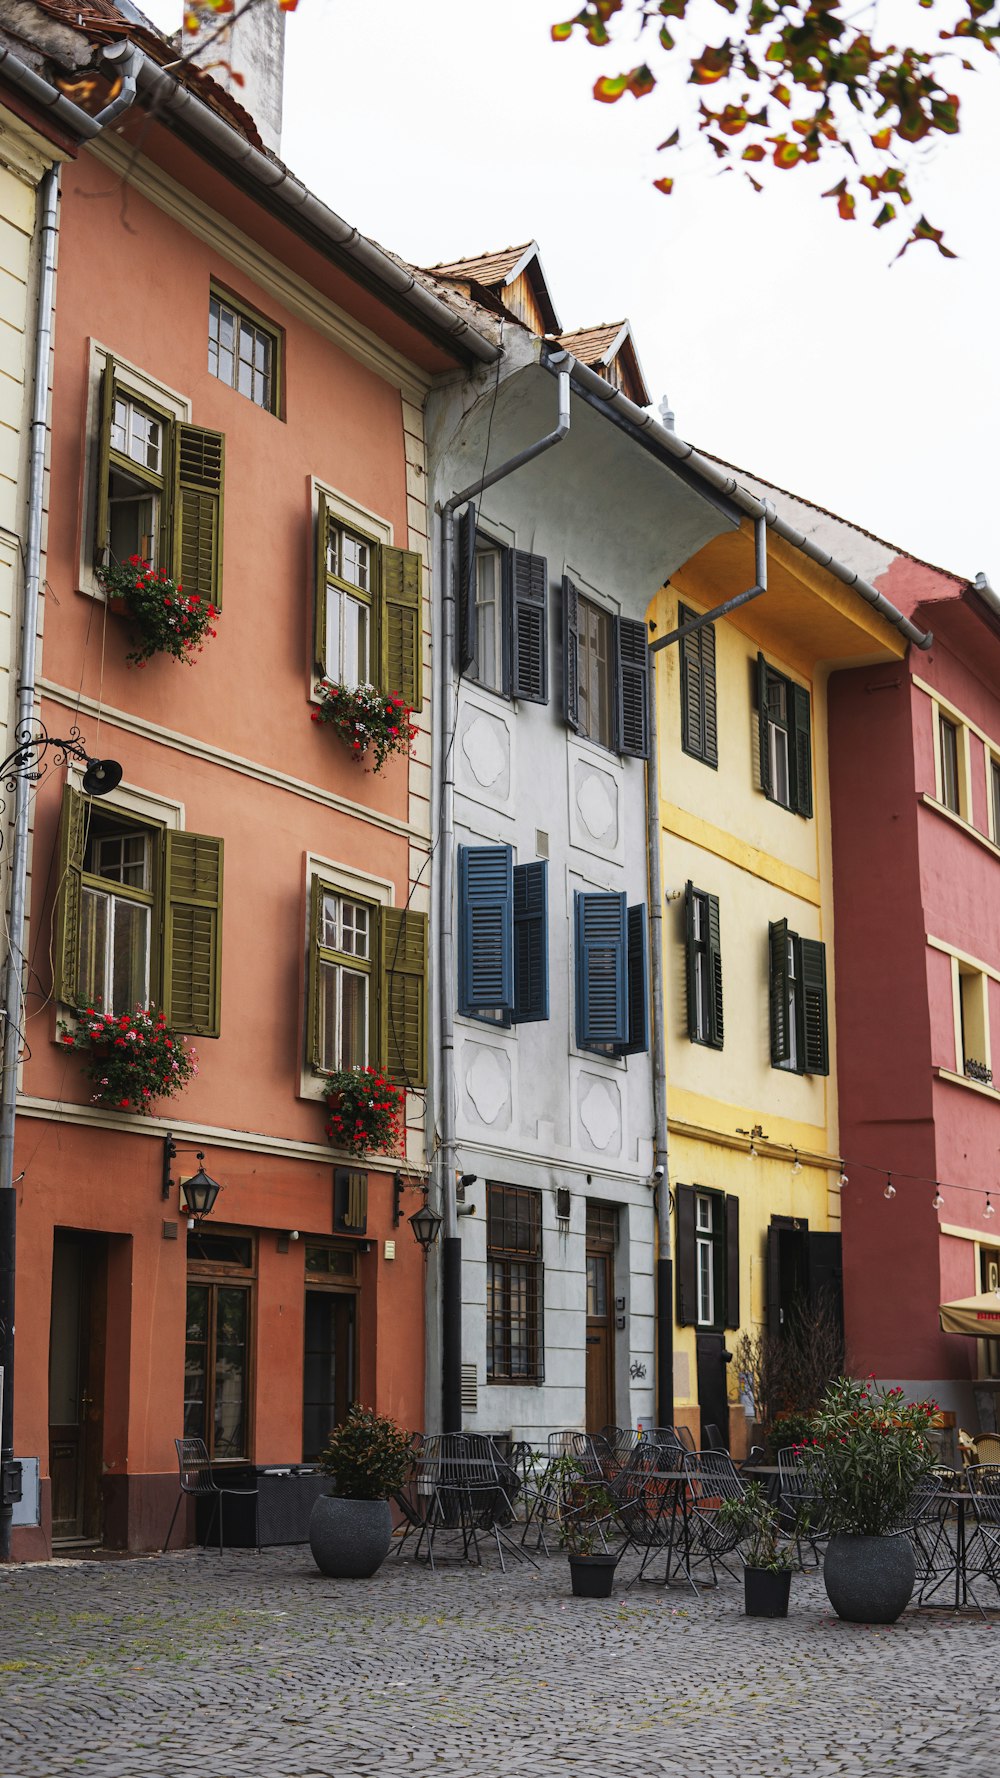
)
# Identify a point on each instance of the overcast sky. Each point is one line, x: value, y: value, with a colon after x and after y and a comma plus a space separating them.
x: 786, y: 341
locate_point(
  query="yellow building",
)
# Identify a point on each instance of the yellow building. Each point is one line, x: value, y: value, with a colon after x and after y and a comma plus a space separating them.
x: 749, y: 948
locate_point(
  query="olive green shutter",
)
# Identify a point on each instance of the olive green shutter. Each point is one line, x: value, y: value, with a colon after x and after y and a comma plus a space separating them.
x: 800, y: 748
x: 713, y: 959
x: 781, y: 1035
x: 102, y: 507
x: 400, y: 620
x: 314, y: 1048
x: 402, y: 1002
x: 814, y: 1006
x: 319, y: 604
x: 690, y: 962
x: 192, y: 933
x: 196, y: 504
x: 72, y: 841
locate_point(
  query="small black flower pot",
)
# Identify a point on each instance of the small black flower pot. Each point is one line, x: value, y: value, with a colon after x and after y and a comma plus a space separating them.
x: 765, y: 1592
x: 592, y: 1577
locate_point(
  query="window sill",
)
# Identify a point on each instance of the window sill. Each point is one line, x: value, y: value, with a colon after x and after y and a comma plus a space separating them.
x: 960, y: 822
x: 515, y: 1382
x: 964, y: 1080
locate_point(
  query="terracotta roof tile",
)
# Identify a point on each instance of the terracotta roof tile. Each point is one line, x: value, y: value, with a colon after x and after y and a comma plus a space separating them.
x: 483, y: 268
x: 592, y: 345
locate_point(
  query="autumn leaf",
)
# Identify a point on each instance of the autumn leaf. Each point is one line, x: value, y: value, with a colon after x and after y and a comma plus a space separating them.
x: 664, y: 185
x: 711, y: 65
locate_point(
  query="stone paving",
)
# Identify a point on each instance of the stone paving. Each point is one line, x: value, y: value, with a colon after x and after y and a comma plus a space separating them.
x: 251, y: 1666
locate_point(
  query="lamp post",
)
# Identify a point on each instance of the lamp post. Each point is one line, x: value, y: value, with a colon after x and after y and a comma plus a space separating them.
x: 24, y: 766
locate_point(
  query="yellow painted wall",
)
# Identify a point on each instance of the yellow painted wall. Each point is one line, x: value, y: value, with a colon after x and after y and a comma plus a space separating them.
x: 764, y: 863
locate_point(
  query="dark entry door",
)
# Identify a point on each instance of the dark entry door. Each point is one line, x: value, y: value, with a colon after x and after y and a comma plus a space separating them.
x: 328, y: 1373
x: 76, y: 1382
x: 602, y: 1236
x: 712, y: 1396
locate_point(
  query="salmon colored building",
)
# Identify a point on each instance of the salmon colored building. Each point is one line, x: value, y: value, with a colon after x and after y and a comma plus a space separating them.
x: 238, y: 383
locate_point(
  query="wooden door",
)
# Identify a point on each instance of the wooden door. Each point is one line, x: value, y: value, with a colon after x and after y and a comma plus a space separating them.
x: 76, y: 1383
x: 600, y: 1339
x: 713, y: 1400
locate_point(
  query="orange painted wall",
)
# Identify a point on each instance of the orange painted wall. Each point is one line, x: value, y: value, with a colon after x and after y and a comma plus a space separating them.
x: 144, y: 295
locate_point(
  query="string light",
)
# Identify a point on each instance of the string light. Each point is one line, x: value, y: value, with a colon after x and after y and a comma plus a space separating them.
x: 796, y: 1164
x: 937, y: 1201
x: 842, y: 1181
x: 890, y: 1189
x: 989, y: 1211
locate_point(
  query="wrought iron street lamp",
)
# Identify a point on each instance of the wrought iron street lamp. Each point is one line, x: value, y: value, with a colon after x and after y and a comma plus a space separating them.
x: 426, y: 1224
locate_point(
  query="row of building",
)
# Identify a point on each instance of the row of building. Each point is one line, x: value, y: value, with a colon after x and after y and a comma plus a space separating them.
x: 679, y: 934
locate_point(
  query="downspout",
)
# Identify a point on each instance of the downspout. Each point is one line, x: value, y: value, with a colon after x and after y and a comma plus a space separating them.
x: 451, y: 1244
x: 14, y: 976
x: 661, y: 1168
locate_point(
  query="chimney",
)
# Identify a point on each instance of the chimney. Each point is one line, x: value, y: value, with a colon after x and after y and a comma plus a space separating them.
x: 254, y: 46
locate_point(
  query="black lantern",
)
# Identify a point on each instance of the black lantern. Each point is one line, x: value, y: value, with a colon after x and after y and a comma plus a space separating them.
x: 198, y: 1194
x: 425, y: 1224
x: 101, y: 777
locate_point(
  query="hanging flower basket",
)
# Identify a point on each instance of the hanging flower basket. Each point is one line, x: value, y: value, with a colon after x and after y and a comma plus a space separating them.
x: 366, y: 1111
x: 133, y: 1059
x: 165, y: 618
x: 369, y: 722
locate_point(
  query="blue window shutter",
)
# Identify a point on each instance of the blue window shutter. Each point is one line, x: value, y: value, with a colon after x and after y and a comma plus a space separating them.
x: 638, y: 983
x: 531, y: 941
x: 486, y: 931
x: 632, y: 667
x: 602, y: 984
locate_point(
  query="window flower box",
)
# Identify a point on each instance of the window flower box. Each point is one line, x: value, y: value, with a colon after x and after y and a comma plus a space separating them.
x: 372, y: 724
x: 164, y: 618
x: 132, y: 1059
x: 366, y: 1111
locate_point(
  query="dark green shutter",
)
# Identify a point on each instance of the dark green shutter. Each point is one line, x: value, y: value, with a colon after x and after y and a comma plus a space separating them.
x: 199, y: 477
x: 314, y: 1047
x: 400, y: 626
x: 800, y: 748
x: 465, y: 626
x: 762, y: 726
x: 699, y: 721
x: 530, y: 577
x: 781, y: 1036
x: 816, y: 1044
x: 632, y: 700
x: 403, y: 999
x: 102, y: 506
x: 732, y: 1317
x: 72, y: 844
x: 531, y: 941
x: 716, y: 1028
x: 571, y: 654
x: 689, y: 961
x: 192, y: 933
x: 637, y: 972
x: 319, y: 600
x: 687, y: 1258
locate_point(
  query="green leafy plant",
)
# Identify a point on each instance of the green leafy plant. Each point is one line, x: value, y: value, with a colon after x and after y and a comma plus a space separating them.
x: 787, y: 1430
x: 368, y: 1456
x: 366, y: 1111
x: 166, y: 619
x: 754, y: 1519
x: 869, y: 1449
x: 584, y: 1507
x: 133, y: 1059
x: 369, y: 722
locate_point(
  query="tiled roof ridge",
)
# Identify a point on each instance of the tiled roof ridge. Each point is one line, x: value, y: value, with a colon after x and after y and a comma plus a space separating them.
x: 486, y: 257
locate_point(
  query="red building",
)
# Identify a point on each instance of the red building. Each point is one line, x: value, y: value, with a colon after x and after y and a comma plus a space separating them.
x: 238, y: 383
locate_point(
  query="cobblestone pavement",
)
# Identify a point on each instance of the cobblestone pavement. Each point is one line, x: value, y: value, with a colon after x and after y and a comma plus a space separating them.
x: 256, y: 1667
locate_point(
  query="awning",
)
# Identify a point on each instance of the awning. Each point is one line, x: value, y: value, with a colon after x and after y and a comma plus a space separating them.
x: 976, y: 1315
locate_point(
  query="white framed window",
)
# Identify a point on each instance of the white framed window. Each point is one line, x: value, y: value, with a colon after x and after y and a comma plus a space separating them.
x: 777, y: 738
x: 242, y: 352
x: 704, y: 1222
x: 116, y: 908
x: 350, y: 565
x: 344, y: 981
x: 490, y: 600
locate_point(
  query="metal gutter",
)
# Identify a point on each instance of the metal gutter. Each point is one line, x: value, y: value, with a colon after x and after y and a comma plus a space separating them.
x: 717, y: 484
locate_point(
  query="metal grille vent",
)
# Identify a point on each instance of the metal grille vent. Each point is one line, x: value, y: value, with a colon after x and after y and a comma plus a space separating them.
x: 470, y: 1389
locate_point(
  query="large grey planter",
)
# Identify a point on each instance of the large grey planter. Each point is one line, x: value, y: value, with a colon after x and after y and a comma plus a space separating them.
x: 349, y: 1538
x: 869, y: 1580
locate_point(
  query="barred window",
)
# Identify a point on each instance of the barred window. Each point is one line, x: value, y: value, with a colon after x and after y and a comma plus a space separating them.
x: 514, y: 1347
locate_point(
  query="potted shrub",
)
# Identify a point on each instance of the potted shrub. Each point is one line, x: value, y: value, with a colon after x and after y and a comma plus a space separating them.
x: 165, y: 619
x: 366, y: 1111
x: 868, y: 1452
x: 584, y: 1508
x: 767, y: 1568
x: 350, y: 1529
x: 372, y: 724
x: 133, y: 1059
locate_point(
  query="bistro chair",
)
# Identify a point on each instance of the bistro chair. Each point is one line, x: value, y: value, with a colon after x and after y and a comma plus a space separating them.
x: 620, y: 1440
x: 801, y: 1507
x: 713, y: 1478
x: 196, y: 1478
x: 668, y: 1439
x: 983, y: 1483
x: 988, y: 1447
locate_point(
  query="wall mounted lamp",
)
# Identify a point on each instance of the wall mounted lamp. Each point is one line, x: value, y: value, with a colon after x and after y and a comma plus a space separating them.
x: 426, y: 1226
x: 196, y: 1195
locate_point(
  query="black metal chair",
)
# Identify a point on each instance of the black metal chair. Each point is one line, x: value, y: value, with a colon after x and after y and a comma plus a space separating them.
x: 196, y: 1479
x: 713, y: 1479
x: 801, y: 1507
